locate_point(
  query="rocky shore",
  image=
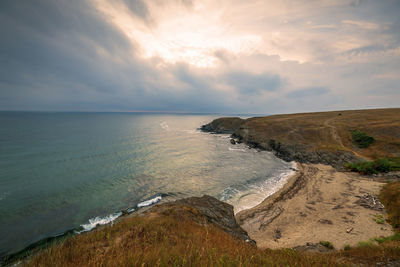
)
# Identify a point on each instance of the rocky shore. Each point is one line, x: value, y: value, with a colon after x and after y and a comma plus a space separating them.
x: 322, y: 137
x: 320, y: 202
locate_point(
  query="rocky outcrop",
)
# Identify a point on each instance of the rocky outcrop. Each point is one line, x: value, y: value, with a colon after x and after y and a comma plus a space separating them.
x: 204, y: 210
x: 223, y: 125
x: 288, y: 150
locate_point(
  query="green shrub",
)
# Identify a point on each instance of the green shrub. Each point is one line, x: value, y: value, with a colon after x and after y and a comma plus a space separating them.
x: 395, y: 237
x: 366, y: 244
x: 376, y: 166
x: 361, y: 139
x: 327, y: 244
x: 380, y: 219
x: 347, y: 247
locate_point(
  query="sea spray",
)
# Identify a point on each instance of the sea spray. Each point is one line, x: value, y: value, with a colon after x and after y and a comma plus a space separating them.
x: 94, y: 222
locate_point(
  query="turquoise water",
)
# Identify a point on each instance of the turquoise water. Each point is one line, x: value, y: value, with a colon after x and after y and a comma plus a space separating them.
x: 60, y: 170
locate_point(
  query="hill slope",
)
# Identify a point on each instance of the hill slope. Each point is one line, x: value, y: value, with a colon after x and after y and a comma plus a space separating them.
x: 320, y: 137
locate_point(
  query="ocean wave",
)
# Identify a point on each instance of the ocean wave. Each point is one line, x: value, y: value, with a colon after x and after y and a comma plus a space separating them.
x: 194, y: 131
x: 94, y: 222
x: 237, y: 149
x: 250, y: 195
x: 130, y: 210
x: 227, y: 193
x: 149, y: 202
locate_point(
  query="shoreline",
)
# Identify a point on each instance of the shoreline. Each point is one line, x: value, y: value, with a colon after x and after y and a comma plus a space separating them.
x: 318, y: 203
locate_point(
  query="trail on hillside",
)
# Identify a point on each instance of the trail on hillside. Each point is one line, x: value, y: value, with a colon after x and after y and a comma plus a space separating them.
x: 336, y: 136
x: 333, y: 131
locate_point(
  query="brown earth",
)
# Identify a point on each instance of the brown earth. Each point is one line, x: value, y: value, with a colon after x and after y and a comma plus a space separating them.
x: 318, y: 204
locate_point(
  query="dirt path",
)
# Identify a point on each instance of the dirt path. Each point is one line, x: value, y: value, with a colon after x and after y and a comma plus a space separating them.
x: 321, y: 204
x: 337, y: 137
x: 334, y: 133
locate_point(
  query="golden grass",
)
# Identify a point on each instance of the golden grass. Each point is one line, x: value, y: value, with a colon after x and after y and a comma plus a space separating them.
x: 166, y: 240
x: 169, y: 240
x: 331, y: 131
x: 371, y: 253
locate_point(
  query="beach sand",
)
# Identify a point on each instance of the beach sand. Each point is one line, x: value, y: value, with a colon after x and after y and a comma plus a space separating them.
x: 317, y: 204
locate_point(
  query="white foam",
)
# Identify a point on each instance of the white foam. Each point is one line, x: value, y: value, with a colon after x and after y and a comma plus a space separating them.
x: 149, y: 202
x: 195, y: 131
x: 99, y: 221
x: 236, y: 149
x: 164, y: 125
x: 257, y: 193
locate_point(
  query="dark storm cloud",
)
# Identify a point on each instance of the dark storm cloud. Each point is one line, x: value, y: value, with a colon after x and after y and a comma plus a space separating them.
x: 60, y: 55
x: 54, y: 56
x: 54, y: 44
x: 70, y: 55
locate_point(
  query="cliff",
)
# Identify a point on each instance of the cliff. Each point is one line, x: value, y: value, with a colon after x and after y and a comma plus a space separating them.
x: 320, y: 137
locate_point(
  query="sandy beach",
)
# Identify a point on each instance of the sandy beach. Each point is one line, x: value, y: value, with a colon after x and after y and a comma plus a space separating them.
x: 317, y: 204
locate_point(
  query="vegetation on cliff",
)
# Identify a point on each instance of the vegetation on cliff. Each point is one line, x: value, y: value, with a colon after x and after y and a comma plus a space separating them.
x: 174, y: 234
x: 361, y: 139
x: 320, y: 137
x: 376, y: 166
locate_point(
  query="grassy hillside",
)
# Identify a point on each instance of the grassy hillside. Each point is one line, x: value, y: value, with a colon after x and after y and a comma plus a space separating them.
x: 168, y: 238
x: 334, y: 138
x: 332, y: 130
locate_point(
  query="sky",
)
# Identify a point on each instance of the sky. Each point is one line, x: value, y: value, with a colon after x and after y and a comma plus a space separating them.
x: 211, y: 56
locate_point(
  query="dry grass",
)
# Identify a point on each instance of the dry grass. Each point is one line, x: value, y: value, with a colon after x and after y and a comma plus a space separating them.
x: 170, y: 240
x: 331, y: 131
x: 372, y: 254
x: 390, y: 197
x: 166, y: 240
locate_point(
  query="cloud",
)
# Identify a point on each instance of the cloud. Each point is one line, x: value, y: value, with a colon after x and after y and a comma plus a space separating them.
x: 198, y: 56
x: 138, y: 8
x: 308, y: 92
x: 362, y: 24
x: 248, y: 83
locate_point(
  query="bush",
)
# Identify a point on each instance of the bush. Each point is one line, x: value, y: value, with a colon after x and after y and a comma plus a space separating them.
x: 327, y: 244
x: 371, y: 167
x: 380, y: 219
x: 366, y: 244
x: 395, y: 237
x: 361, y: 139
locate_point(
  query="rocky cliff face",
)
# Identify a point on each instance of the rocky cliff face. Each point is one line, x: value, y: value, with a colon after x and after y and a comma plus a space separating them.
x: 223, y: 125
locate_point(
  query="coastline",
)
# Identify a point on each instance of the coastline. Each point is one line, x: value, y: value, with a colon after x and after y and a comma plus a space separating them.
x: 318, y: 203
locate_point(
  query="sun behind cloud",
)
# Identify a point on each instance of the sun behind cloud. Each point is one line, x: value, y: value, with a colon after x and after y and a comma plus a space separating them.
x: 187, y: 34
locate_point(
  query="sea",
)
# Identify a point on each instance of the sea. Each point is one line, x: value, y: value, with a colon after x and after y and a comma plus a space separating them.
x: 72, y: 171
